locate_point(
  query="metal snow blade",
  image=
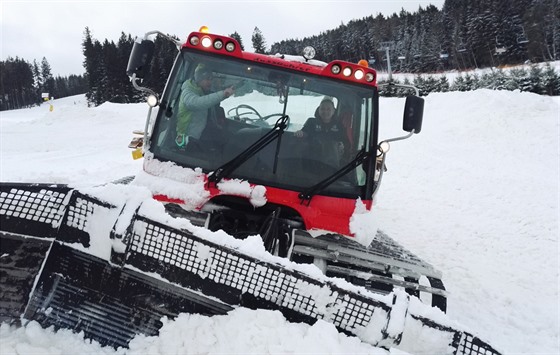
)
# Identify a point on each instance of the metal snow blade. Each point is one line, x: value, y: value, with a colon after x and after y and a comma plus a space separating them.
x: 164, y: 271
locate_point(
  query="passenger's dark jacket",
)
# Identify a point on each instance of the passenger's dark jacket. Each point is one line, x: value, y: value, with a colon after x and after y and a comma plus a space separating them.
x: 315, y: 128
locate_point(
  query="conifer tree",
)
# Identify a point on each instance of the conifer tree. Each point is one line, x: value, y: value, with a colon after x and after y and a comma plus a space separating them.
x: 126, y: 90
x: 46, y: 77
x: 259, y: 44
x: 237, y: 37
x: 37, y: 77
x: 111, y: 71
x: 551, y: 81
x: 90, y: 67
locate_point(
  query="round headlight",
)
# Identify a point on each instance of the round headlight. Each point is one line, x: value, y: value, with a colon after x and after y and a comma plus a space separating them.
x: 370, y: 77
x: 206, y: 42
x: 218, y: 44
x: 152, y: 101
x: 309, y: 52
x: 335, y: 69
x: 347, y: 71
x: 358, y: 74
x: 383, y: 147
x: 194, y: 40
x: 230, y: 46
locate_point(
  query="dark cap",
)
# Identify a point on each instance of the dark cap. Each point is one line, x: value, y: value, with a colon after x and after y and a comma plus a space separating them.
x: 202, y: 72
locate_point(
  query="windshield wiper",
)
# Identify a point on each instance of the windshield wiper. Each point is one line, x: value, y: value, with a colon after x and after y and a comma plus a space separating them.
x: 308, y: 194
x: 226, y: 169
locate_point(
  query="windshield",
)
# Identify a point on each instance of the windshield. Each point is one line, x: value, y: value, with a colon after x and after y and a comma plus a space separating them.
x: 214, y: 108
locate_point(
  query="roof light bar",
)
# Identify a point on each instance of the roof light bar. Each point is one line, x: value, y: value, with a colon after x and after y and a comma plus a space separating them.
x: 353, y: 72
x: 359, y: 72
x: 209, y: 41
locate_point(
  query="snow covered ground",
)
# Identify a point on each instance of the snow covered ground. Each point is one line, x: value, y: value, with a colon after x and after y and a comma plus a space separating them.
x: 476, y: 194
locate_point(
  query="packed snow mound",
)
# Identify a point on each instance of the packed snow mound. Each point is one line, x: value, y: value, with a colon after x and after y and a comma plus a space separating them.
x: 245, y: 331
x: 242, y: 331
x: 70, y: 144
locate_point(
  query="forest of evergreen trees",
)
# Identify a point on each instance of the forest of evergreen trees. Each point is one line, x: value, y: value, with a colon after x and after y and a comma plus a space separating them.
x: 105, y: 65
x: 23, y: 83
x: 463, y: 35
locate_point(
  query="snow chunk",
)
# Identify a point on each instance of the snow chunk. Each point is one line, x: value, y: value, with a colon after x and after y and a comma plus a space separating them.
x: 363, y: 224
x: 174, y: 181
x: 33, y: 339
x: 103, y: 220
x: 434, y: 341
x: 255, y: 194
x: 324, y: 298
x: 258, y: 196
x: 373, y: 332
x: 264, y: 332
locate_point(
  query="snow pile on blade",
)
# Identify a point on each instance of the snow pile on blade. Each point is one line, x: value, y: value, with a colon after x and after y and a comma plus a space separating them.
x: 116, y: 263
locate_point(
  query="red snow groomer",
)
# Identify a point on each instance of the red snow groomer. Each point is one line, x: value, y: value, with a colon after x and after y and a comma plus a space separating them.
x: 281, y: 146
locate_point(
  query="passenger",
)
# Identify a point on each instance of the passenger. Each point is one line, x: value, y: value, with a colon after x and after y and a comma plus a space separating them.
x: 325, y: 130
x: 200, y: 119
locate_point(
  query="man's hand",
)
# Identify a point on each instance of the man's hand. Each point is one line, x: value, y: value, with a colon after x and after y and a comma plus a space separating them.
x: 228, y: 91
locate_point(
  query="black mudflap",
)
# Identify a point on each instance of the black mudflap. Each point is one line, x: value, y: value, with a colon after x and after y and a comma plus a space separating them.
x: 164, y: 271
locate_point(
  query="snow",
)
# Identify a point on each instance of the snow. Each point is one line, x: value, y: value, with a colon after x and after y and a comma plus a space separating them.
x: 475, y: 194
x: 242, y: 331
x: 256, y: 194
x: 362, y: 222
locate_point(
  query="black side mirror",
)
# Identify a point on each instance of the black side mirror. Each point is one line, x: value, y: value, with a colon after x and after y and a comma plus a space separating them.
x: 140, y: 58
x: 413, y: 113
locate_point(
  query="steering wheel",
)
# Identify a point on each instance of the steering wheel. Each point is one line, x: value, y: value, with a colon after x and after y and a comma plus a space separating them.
x: 254, y: 115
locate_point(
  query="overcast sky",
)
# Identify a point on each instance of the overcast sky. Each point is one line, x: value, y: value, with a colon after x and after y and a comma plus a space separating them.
x: 54, y: 29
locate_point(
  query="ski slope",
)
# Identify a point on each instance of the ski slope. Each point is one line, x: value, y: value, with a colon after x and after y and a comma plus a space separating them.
x: 475, y: 194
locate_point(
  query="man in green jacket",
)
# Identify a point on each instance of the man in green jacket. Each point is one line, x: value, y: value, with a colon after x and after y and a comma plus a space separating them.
x: 198, y: 117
